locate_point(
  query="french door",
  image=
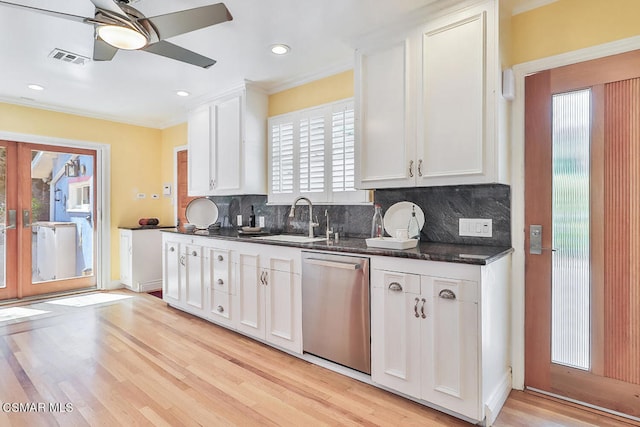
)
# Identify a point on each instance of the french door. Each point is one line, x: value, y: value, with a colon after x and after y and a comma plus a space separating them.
x: 582, y: 197
x: 47, y: 217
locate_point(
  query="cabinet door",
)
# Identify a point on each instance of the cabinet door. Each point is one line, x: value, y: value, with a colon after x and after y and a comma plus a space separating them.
x: 249, y: 298
x: 171, y: 281
x: 194, y: 283
x: 200, y: 152
x: 126, y: 273
x: 452, y: 121
x: 385, y: 141
x: 450, y: 345
x: 283, y: 304
x: 395, y: 331
x: 228, y: 145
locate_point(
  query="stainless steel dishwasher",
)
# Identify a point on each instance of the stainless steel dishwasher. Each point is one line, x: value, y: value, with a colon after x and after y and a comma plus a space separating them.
x: 335, y: 309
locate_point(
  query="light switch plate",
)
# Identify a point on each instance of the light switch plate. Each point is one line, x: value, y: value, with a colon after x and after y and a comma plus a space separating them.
x: 475, y: 227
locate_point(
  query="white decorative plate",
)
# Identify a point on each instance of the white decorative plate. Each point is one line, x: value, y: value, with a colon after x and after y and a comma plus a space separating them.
x: 398, y: 215
x: 201, y: 212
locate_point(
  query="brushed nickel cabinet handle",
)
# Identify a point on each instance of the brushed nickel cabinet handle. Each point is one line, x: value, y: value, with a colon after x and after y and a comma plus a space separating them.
x: 423, y: 315
x: 420, y: 167
x: 411, y: 168
x: 220, y: 258
x: 182, y: 260
x: 447, y: 294
x: 194, y: 253
x: 220, y: 309
x: 395, y: 286
x: 220, y: 282
x: 172, y: 249
x: 415, y: 307
x: 266, y: 278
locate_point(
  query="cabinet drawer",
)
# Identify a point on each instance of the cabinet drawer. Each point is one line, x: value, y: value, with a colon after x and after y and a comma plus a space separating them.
x: 220, y: 305
x: 452, y: 289
x: 220, y: 277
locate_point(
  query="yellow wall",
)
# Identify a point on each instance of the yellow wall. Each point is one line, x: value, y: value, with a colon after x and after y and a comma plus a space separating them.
x: 332, y: 88
x: 135, y: 160
x: 568, y: 25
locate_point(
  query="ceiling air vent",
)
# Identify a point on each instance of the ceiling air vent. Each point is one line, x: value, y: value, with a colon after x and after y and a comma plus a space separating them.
x: 65, y: 56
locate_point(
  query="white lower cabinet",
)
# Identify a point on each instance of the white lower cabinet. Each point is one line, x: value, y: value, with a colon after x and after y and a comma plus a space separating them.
x: 140, y: 259
x: 428, y: 330
x: 269, y: 298
x: 183, y: 278
x: 249, y: 287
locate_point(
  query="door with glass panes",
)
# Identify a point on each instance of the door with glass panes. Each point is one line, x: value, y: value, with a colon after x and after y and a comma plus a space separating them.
x: 47, y: 217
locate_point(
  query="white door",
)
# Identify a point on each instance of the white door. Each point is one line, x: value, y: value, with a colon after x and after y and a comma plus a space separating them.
x: 450, y: 344
x: 250, y: 295
x: 395, y: 331
x: 385, y: 133
x: 194, y: 283
x: 171, y: 259
x: 283, y: 304
x: 227, y: 143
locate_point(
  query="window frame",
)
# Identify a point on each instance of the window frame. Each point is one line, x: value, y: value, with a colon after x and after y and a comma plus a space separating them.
x: 327, y: 196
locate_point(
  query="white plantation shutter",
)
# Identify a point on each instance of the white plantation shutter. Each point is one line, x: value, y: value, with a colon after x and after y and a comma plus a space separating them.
x: 343, y: 150
x: 282, y: 158
x: 312, y: 152
x: 312, y: 162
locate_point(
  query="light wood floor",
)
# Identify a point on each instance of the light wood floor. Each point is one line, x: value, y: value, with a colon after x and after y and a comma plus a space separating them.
x: 138, y: 362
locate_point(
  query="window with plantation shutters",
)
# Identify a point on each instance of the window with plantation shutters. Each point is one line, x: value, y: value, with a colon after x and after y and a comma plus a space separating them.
x: 281, y: 138
x: 312, y: 154
x: 312, y: 161
x: 343, y: 150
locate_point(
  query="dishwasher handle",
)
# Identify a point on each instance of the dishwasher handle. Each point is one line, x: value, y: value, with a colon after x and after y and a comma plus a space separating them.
x: 333, y: 264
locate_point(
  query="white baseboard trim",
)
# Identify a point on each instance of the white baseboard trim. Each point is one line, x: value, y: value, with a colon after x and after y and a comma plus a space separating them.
x: 152, y: 285
x: 496, y: 400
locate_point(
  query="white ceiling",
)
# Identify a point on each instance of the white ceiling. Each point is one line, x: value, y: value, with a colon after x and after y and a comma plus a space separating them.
x: 139, y: 87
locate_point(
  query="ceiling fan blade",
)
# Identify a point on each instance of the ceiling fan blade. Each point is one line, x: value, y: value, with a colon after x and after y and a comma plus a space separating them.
x: 46, y: 12
x: 173, y: 24
x: 103, y: 51
x: 109, y: 5
x: 169, y: 50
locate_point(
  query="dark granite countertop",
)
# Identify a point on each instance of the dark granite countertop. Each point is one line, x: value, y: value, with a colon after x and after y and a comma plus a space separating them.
x: 146, y: 227
x: 466, y: 254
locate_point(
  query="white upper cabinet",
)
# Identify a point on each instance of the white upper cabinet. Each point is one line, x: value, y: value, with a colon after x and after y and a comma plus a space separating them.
x: 428, y: 104
x: 227, y: 144
x: 385, y: 141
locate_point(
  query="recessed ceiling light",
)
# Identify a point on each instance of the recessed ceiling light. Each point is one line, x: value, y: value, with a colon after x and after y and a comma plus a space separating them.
x: 182, y: 93
x: 35, y: 87
x: 280, y: 49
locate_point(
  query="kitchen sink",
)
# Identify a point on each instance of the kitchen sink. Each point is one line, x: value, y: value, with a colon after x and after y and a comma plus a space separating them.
x: 292, y: 238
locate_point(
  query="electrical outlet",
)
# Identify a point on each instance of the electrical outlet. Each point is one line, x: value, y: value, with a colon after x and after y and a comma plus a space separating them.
x: 239, y: 220
x: 475, y: 227
x: 261, y: 221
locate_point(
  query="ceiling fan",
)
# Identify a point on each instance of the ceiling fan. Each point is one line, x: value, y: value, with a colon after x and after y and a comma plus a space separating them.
x: 120, y: 26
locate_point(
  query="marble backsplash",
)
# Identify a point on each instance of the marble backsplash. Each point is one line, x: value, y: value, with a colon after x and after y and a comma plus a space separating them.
x: 442, y: 207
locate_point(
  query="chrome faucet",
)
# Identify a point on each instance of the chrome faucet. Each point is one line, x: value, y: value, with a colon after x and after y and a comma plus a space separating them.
x: 292, y: 212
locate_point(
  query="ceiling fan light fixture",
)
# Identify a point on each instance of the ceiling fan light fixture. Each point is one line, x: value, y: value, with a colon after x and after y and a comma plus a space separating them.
x: 280, y: 49
x: 122, y: 37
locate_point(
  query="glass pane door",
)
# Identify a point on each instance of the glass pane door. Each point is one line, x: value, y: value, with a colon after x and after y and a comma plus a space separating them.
x: 58, y: 219
x: 8, y: 236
